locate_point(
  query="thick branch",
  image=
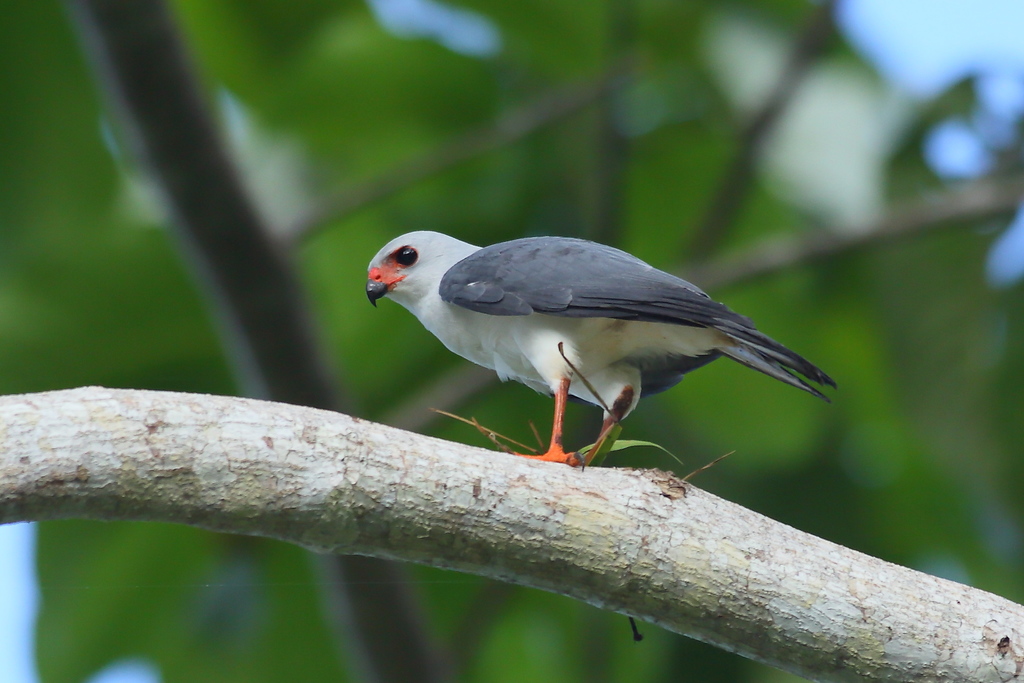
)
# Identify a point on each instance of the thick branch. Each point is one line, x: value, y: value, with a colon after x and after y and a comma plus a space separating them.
x: 624, y: 540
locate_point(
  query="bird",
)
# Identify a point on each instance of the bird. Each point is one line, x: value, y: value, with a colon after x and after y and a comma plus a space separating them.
x: 572, y: 319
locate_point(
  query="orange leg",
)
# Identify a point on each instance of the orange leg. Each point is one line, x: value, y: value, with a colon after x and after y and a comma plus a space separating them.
x: 555, y: 451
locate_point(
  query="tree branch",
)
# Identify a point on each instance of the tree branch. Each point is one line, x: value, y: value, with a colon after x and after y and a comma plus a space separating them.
x: 612, y: 147
x: 979, y: 200
x: 728, y: 198
x: 140, y: 58
x: 510, y: 128
x: 638, y: 542
x: 450, y: 390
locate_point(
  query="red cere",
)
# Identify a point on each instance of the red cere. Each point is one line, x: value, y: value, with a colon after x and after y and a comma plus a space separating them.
x: 387, y: 273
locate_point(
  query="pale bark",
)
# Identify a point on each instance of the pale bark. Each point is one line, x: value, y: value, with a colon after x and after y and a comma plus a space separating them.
x: 637, y: 542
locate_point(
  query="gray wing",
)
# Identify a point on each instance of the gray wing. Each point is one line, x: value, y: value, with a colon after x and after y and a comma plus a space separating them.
x: 579, y: 279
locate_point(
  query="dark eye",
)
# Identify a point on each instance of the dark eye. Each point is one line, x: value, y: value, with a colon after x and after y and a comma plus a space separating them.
x: 406, y: 256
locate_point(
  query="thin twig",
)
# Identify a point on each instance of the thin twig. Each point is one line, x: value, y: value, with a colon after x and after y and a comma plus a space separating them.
x: 493, y: 437
x: 706, y: 467
x: 733, y: 188
x: 586, y: 382
x: 517, y: 124
x: 536, y: 434
x: 637, y: 636
x: 486, y: 431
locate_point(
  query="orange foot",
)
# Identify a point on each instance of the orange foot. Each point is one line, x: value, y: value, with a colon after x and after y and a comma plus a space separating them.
x: 557, y: 454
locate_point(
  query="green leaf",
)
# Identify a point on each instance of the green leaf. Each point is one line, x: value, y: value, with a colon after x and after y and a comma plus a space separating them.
x: 623, y: 444
x: 613, y: 444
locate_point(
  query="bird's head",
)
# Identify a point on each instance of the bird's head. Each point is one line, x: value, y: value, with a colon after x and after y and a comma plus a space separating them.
x: 410, y: 267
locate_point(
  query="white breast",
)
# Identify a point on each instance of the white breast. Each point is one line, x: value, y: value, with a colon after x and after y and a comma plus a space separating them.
x: 525, y: 348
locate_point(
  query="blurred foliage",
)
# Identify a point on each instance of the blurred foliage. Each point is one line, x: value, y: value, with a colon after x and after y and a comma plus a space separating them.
x: 917, y: 460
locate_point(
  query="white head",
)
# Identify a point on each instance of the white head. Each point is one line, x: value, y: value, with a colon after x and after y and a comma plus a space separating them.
x: 410, y: 267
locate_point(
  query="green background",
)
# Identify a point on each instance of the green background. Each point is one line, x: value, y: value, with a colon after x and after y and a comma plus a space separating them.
x: 917, y: 460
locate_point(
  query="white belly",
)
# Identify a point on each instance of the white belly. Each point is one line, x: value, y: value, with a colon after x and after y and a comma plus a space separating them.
x: 603, y: 350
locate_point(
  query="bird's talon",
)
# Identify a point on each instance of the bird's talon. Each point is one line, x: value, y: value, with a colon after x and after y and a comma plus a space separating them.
x: 556, y: 454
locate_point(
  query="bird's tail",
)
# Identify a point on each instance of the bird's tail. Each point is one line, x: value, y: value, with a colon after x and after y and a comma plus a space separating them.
x: 766, y: 355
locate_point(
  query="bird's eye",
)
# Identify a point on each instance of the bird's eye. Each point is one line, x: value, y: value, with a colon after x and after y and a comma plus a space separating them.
x: 406, y: 256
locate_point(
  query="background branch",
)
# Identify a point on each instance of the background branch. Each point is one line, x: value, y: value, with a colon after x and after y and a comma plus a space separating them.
x: 513, y: 126
x: 258, y: 301
x: 638, y: 542
x: 983, y: 199
x: 447, y: 392
x: 145, y: 70
x: 612, y: 146
x: 728, y: 199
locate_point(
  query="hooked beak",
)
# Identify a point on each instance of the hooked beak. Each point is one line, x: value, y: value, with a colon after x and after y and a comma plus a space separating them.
x: 380, y: 281
x: 375, y: 290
